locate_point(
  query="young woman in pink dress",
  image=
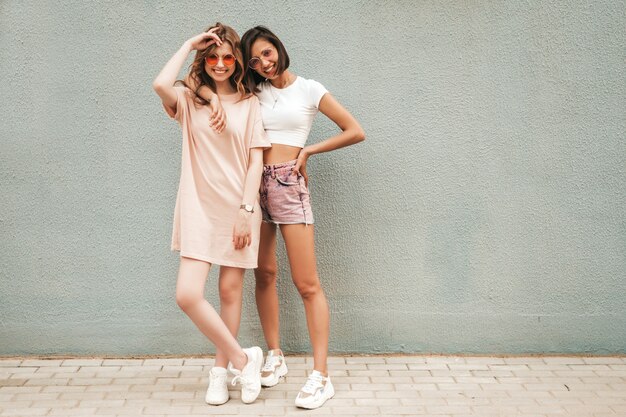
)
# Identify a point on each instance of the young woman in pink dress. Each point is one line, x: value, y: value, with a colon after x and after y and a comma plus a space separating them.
x: 217, y: 215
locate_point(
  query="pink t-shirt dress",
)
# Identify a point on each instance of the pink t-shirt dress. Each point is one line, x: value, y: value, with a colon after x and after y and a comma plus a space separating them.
x: 212, y: 178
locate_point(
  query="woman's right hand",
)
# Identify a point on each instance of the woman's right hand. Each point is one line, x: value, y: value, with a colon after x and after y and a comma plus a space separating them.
x: 204, y: 40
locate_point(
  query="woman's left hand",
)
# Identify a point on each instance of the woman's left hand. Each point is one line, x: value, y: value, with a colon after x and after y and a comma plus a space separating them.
x: 300, y: 167
x: 218, y: 115
x: 242, y: 231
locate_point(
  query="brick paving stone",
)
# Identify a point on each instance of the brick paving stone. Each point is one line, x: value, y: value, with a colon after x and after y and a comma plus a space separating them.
x: 402, y: 410
x: 366, y: 360
x: 82, y: 362
x: 388, y: 366
x: 356, y: 410
x: 448, y: 409
x: 74, y: 412
x: 427, y: 366
x: 354, y: 394
x: 63, y: 388
x: 405, y: 359
x: 81, y: 396
x: 471, y: 366
x: 25, y: 412
x: 492, y: 373
x: 40, y: 362
x: 396, y: 394
x: 44, y: 382
x: 606, y: 360
x: 199, y: 361
x: 122, y: 362
x: 523, y: 360
x: 371, y: 373
x: 30, y: 396
x: 146, y: 368
x: 12, y: 382
x: 445, y: 359
x: 563, y: 359
x: 455, y: 373
x: 377, y: 401
x: 15, y: 370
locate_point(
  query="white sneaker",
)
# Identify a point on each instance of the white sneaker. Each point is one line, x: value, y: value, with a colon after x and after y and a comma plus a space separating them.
x: 274, y: 368
x: 217, y: 392
x: 315, y: 392
x: 250, y: 375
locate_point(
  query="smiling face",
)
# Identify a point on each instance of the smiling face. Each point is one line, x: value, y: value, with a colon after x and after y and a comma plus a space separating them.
x: 219, y: 64
x: 264, y: 57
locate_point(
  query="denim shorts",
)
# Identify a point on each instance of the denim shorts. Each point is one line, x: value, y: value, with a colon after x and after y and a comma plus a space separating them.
x: 285, y: 197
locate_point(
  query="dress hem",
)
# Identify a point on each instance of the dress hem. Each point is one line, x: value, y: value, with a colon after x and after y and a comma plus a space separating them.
x: 214, y: 260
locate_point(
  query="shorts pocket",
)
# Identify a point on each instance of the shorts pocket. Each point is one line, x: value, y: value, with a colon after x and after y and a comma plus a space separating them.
x: 288, y: 180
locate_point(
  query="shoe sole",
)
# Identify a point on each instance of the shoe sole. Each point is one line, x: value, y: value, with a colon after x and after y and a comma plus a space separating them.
x: 215, y: 403
x: 280, y: 372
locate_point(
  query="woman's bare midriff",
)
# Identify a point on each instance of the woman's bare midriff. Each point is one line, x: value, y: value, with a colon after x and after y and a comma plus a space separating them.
x: 280, y: 153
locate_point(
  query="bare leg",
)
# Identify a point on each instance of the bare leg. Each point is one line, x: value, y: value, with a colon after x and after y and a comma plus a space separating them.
x: 299, y: 240
x: 266, y: 294
x: 231, y: 296
x: 192, y: 275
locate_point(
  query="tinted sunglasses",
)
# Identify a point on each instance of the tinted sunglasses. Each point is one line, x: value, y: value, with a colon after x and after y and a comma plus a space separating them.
x: 255, y: 62
x: 228, y: 60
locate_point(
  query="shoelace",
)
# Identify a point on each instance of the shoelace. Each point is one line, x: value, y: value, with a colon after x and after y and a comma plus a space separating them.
x: 270, y: 363
x: 312, y: 384
x: 217, y: 378
x: 244, y: 381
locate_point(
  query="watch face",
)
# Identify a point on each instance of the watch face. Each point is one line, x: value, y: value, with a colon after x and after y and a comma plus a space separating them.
x: 248, y: 208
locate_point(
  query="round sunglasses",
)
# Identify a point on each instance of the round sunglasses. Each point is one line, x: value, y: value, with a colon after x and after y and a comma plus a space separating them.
x: 228, y: 60
x: 255, y: 62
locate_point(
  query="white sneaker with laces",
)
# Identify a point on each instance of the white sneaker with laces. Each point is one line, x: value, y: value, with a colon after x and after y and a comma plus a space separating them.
x: 274, y: 369
x: 315, y: 392
x: 250, y: 375
x: 217, y: 392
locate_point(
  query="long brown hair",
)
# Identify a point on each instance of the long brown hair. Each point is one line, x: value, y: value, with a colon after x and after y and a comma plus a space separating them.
x: 199, y: 76
x: 252, y: 78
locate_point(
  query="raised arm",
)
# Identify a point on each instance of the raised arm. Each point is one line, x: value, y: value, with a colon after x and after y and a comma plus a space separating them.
x: 163, y: 84
x: 351, y: 133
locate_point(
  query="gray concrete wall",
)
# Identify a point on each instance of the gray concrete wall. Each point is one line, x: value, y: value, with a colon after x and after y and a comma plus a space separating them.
x: 485, y: 212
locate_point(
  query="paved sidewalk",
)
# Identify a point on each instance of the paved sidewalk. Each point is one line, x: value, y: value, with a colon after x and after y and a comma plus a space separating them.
x: 441, y: 386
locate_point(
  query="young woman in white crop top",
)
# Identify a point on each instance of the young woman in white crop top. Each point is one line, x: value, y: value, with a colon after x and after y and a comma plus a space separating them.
x: 288, y: 106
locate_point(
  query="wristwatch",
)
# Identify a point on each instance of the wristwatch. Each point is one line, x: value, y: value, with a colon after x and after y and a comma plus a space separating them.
x: 247, y: 207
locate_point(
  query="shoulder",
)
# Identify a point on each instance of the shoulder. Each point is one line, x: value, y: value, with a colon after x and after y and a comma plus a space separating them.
x: 184, y: 92
x: 314, y: 90
x: 310, y: 83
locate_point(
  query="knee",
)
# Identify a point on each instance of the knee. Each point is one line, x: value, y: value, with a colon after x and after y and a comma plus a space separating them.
x: 230, y: 294
x: 186, y: 299
x: 265, y: 276
x: 309, y: 289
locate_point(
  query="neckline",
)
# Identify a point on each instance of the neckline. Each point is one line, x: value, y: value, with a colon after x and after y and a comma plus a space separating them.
x: 229, y: 97
x: 284, y: 88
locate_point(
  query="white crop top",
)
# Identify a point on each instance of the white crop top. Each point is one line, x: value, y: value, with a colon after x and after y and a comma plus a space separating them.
x: 288, y: 112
